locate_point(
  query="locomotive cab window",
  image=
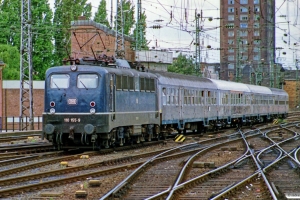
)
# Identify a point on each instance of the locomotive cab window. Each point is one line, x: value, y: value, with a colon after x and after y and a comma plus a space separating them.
x: 59, y: 81
x: 87, y: 81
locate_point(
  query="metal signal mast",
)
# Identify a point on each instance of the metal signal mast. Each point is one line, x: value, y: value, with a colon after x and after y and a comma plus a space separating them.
x: 139, y: 29
x: 120, y: 47
x: 26, y: 96
x: 197, y: 44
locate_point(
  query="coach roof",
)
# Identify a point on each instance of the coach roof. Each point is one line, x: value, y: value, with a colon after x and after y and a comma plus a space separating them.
x: 259, y: 89
x: 277, y: 91
x: 174, y: 79
x: 230, y: 86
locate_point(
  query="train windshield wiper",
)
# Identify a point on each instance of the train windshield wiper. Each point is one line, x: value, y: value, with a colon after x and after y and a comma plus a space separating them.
x: 83, y: 85
x: 56, y: 85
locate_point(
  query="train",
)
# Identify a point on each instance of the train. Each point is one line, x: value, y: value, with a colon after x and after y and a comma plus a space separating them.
x: 103, y: 102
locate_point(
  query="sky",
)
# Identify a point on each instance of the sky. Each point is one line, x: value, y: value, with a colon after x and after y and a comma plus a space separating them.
x: 178, y: 32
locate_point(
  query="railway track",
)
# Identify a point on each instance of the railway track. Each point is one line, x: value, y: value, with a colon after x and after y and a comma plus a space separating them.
x: 27, y: 148
x: 221, y: 181
x: 16, y: 138
x: 222, y: 157
x: 38, y: 176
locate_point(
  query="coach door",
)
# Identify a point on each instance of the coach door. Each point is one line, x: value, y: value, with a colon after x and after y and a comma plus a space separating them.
x: 180, y: 102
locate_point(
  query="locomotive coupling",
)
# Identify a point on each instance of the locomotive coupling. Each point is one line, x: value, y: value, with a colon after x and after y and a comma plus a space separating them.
x: 71, y: 134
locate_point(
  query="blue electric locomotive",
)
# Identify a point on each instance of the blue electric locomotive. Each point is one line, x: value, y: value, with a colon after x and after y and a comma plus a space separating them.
x: 95, y: 103
x: 92, y: 106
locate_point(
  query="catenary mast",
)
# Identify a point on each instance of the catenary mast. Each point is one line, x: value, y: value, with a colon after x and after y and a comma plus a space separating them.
x: 26, y: 95
x: 120, y: 47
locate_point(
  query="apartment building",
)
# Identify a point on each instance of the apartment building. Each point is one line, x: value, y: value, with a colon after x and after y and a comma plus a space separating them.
x: 248, y: 41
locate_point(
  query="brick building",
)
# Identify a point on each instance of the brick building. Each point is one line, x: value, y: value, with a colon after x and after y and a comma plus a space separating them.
x: 10, y: 103
x: 292, y: 87
x: 88, y: 36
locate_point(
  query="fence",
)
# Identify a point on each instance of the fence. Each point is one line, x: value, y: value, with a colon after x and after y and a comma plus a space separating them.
x: 8, y: 124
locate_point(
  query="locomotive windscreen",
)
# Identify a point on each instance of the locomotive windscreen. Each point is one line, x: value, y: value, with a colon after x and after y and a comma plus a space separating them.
x: 87, y: 81
x: 59, y: 81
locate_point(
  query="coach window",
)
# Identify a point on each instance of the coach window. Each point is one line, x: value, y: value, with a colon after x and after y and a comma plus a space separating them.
x: 87, y: 81
x: 207, y: 98
x: 192, y: 95
x: 185, y: 96
x: 59, y: 81
x: 265, y: 100
x: 248, y: 99
x: 240, y: 98
x: 172, y: 96
x: 224, y: 98
x: 214, y: 99
x: 203, y: 97
x: 199, y: 93
x: 169, y: 96
x: 164, y: 96
x: 137, y: 83
x: 176, y: 96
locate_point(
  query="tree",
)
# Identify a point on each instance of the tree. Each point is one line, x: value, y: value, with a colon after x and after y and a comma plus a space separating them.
x: 42, y: 52
x: 11, y: 57
x: 101, y: 14
x: 183, y: 65
x: 41, y: 26
x: 142, y: 33
x: 128, y: 16
x: 10, y: 22
x: 65, y: 12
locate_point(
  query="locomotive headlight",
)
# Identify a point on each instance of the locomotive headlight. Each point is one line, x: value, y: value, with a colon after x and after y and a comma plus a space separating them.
x: 92, y: 111
x: 73, y: 68
x: 52, y: 110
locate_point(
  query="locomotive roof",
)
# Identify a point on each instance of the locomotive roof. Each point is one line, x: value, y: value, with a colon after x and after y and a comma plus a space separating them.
x: 89, y: 68
x: 259, y: 89
x: 230, y: 86
x: 169, y: 78
x: 129, y: 72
